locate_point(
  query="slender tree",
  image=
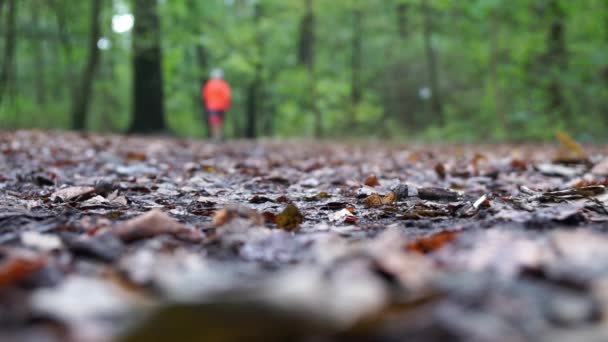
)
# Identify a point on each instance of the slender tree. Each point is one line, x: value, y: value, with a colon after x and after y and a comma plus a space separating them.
x: 356, y: 62
x: 83, y: 94
x: 10, y: 38
x: 494, y: 62
x: 401, y: 10
x: 431, y: 57
x: 556, y: 57
x: 39, y: 56
x: 255, y: 91
x: 148, y: 95
x: 306, y: 57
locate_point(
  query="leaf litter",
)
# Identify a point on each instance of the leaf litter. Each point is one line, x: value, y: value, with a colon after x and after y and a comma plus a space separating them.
x: 113, y: 237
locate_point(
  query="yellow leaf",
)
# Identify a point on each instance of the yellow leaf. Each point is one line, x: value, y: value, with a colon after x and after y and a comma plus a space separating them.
x: 290, y: 218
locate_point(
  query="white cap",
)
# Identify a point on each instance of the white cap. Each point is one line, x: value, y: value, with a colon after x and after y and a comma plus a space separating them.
x: 217, y: 74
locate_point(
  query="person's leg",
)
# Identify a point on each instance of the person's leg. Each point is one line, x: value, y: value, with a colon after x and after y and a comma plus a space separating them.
x: 216, y: 123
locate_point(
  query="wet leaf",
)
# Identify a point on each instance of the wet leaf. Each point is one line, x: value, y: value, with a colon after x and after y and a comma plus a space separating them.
x: 259, y: 199
x: 290, y: 218
x: 438, y: 194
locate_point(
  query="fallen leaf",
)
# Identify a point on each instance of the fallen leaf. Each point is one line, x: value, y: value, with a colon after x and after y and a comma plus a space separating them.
x: 389, y: 199
x: 154, y: 222
x: 435, y: 194
x: 282, y: 199
x: 71, y: 193
x: 343, y: 216
x: 575, y: 149
x: 259, y: 199
x: 601, y: 168
x: 373, y: 201
x: 372, y: 181
x: 431, y: 243
x: 17, y: 266
x: 232, y: 211
x: 440, y: 170
x: 290, y: 218
x: 136, y: 156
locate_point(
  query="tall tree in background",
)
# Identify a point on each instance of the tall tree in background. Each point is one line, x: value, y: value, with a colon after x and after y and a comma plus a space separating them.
x: 494, y: 62
x: 39, y: 55
x: 356, y: 61
x: 83, y: 94
x: 401, y: 10
x: 201, y: 55
x: 10, y: 37
x: 431, y: 57
x: 306, y: 57
x: 148, y: 96
x: 255, y: 91
x: 556, y: 57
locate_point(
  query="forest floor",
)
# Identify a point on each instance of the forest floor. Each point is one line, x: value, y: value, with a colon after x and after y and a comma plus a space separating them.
x: 140, y: 239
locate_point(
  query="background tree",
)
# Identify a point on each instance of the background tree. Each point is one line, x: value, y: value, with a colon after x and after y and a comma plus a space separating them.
x: 10, y: 34
x: 82, y: 93
x: 291, y: 69
x: 148, y: 95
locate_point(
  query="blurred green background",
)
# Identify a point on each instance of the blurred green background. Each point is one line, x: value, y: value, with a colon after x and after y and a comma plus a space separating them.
x: 437, y: 70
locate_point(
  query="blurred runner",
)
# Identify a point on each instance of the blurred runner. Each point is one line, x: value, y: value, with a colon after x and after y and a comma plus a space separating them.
x: 217, y: 97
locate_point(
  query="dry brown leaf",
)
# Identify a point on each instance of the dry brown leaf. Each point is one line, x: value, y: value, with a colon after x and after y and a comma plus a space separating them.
x: 136, y: 156
x: 431, y: 243
x: 373, y: 201
x: 150, y: 224
x: 390, y: 198
x: 232, y: 211
x: 372, y: 180
x: 440, y: 170
x: 18, y: 266
x: 70, y: 193
x: 570, y: 144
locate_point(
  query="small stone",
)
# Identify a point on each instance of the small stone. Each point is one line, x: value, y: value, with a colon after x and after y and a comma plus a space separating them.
x: 400, y: 191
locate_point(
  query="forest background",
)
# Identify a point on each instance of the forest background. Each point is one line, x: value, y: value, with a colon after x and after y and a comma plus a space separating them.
x: 435, y: 70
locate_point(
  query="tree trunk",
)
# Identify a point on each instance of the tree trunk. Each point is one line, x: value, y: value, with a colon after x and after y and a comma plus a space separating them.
x: 254, y: 99
x: 148, y: 96
x: 203, y: 66
x: 202, y: 60
x: 402, y: 20
x: 82, y: 98
x: 39, y: 58
x: 356, y: 64
x: 494, y: 56
x: 10, y: 38
x: 66, y: 44
x: 306, y: 57
x: 556, y: 58
x: 306, y: 43
x: 436, y: 104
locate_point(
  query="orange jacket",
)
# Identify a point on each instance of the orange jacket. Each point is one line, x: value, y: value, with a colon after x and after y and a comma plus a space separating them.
x: 216, y: 95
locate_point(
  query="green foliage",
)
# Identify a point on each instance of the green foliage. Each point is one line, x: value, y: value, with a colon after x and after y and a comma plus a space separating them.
x: 493, y: 73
